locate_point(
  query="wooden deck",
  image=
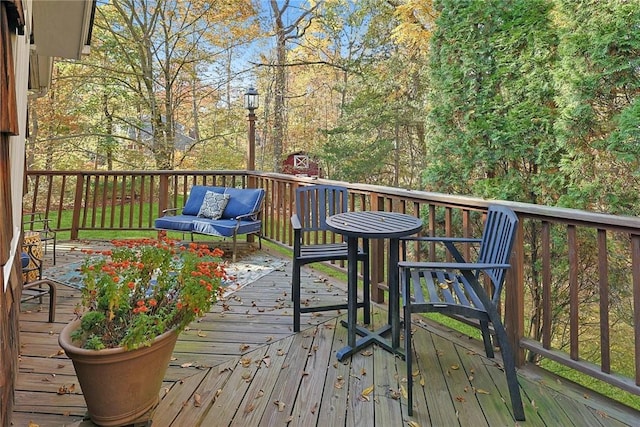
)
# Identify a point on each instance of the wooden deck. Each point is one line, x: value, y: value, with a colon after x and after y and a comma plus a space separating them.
x: 243, y: 366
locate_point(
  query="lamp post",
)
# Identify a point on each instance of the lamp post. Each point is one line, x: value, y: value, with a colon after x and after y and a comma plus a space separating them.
x: 251, y: 101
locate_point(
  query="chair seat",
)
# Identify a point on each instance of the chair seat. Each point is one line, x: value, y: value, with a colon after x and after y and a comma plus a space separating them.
x: 447, y: 292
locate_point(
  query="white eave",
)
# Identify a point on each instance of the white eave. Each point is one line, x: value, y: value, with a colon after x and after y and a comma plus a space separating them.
x: 61, y: 29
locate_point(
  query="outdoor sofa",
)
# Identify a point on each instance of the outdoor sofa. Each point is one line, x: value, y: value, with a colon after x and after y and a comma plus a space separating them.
x: 217, y: 211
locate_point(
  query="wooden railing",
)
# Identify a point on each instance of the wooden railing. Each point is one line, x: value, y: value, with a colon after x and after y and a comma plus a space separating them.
x: 573, y: 294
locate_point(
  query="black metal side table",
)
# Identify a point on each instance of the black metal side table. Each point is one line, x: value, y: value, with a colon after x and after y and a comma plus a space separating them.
x: 372, y: 225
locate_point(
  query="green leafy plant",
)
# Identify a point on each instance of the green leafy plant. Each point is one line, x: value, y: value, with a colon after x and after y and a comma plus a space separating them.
x: 143, y: 288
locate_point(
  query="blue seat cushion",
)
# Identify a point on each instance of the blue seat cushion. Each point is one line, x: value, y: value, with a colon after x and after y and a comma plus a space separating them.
x: 224, y: 227
x: 177, y: 222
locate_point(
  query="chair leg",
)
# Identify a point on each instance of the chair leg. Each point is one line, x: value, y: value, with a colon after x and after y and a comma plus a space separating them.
x: 233, y: 248
x: 366, y: 288
x: 295, y: 295
x: 508, y: 358
x: 408, y: 357
x: 54, y: 251
x: 52, y: 301
x: 486, y: 338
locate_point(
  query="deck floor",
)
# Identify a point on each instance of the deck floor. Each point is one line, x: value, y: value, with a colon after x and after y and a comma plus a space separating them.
x: 242, y: 365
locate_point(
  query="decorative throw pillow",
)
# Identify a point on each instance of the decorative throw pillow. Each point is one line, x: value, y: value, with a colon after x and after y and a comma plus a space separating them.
x: 213, y: 205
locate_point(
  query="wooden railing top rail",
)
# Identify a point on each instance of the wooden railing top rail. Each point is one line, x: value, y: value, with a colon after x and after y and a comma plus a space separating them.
x: 539, y: 212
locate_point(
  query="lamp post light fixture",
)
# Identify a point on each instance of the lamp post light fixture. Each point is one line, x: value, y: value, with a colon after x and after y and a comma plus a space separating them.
x: 251, y: 102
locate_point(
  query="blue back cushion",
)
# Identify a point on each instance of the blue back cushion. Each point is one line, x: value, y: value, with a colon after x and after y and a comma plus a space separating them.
x: 196, y: 196
x: 242, y: 201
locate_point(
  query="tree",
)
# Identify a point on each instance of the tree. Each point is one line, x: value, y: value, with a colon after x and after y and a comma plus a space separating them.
x: 148, y: 79
x: 287, y: 28
x: 599, y: 96
x: 378, y: 136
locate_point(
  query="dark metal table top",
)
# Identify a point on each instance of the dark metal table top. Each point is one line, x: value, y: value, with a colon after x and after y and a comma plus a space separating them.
x: 374, y: 224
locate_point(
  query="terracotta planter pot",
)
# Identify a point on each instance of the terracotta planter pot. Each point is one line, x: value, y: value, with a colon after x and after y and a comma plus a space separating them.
x: 119, y: 386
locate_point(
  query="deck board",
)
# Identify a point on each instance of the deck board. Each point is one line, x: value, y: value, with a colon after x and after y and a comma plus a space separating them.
x: 242, y: 365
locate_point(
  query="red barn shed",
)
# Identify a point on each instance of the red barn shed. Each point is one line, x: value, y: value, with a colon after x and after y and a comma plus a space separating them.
x: 300, y: 163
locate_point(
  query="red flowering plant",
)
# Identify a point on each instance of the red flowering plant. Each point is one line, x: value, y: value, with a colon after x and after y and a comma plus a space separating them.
x: 143, y: 288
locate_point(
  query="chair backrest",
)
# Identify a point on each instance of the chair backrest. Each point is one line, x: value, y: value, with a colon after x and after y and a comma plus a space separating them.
x: 497, y: 242
x: 317, y: 202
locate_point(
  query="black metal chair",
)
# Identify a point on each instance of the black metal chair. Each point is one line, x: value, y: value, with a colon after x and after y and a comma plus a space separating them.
x: 33, y: 283
x: 313, y: 205
x: 456, y: 288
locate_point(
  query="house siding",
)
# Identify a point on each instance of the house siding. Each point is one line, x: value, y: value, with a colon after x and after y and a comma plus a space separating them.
x: 14, y: 74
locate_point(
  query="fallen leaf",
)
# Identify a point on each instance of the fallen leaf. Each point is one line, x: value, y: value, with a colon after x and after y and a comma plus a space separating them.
x: 244, y: 347
x: 314, y: 408
x: 186, y: 365
x: 280, y: 405
x: 404, y: 392
x: 66, y: 390
x: 197, y: 400
x: 482, y: 391
x: 32, y: 424
x: 267, y: 361
x: 366, y: 392
x: 250, y: 407
x: 413, y: 424
x: 455, y: 367
x: 367, y: 353
x: 201, y: 334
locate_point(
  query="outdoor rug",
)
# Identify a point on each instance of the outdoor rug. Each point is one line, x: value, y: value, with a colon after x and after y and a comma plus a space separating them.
x: 241, y: 273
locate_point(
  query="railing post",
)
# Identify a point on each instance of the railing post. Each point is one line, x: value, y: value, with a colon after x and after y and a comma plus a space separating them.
x: 163, y: 195
x: 514, y: 298
x: 377, y: 257
x: 77, y: 206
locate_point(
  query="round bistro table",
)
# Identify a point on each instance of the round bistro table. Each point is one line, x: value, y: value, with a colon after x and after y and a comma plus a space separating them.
x: 372, y: 225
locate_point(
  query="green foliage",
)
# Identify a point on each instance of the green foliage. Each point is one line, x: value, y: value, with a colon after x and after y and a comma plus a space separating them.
x: 597, y: 95
x: 491, y: 104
